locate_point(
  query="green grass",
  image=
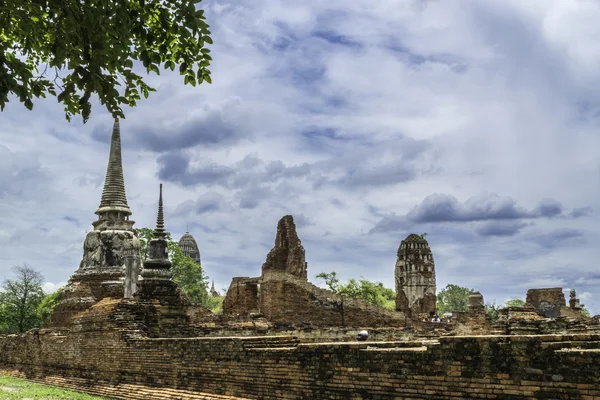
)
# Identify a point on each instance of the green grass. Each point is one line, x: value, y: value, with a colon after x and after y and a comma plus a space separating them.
x: 20, y: 389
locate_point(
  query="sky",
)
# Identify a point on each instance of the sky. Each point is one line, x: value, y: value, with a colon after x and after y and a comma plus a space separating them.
x: 474, y: 122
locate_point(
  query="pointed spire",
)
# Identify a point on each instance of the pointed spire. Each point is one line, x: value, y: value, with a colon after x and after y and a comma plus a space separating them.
x: 158, y: 248
x: 159, y: 232
x: 212, y: 289
x: 114, y: 200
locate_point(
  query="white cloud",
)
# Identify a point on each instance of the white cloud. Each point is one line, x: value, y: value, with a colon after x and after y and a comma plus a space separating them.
x: 50, y: 287
x: 585, y: 295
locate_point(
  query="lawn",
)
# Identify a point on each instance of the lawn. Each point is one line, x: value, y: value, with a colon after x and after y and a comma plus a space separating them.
x: 19, y: 389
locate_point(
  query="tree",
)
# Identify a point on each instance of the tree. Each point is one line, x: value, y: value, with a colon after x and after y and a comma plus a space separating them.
x: 186, y: 273
x: 331, y: 280
x: 453, y: 298
x: 372, y: 292
x: 21, y: 298
x: 49, y: 301
x: 514, y: 302
x: 215, y: 304
x: 91, y: 46
x: 190, y: 277
x: 584, y: 311
x: 145, y: 235
x: 491, y: 309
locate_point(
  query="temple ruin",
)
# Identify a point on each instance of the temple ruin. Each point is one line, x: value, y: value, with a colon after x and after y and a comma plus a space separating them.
x: 111, y: 252
x: 127, y: 332
x: 415, y: 277
x: 284, y: 297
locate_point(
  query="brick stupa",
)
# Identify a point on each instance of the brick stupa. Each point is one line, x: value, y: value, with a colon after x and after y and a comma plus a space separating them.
x: 111, y: 252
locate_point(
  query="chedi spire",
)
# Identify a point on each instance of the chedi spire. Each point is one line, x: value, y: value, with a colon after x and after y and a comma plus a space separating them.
x: 157, y: 265
x: 113, y: 212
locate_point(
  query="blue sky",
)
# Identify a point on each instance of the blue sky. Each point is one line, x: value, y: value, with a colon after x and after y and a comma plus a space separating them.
x: 476, y: 122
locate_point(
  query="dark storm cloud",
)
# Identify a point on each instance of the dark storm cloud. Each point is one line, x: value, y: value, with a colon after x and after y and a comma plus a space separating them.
x: 502, y: 215
x: 215, y: 127
x: 581, y: 212
x: 548, y: 208
x: 446, y: 208
x: 175, y: 167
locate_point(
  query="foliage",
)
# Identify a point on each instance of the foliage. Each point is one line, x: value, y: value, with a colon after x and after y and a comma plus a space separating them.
x: 190, y: 277
x: 491, y: 309
x: 372, y: 292
x: 20, y: 300
x: 215, y: 304
x: 424, y: 235
x: 145, y: 235
x: 331, y: 280
x: 186, y: 273
x: 514, y: 302
x: 584, y: 311
x: 47, y: 305
x: 95, y: 44
x: 20, y: 389
x: 453, y: 298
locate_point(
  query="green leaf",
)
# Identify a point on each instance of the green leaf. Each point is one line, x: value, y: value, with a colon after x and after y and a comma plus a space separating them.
x: 183, y: 68
x: 158, y: 33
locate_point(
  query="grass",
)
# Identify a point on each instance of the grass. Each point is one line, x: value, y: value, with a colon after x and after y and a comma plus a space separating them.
x: 20, y: 389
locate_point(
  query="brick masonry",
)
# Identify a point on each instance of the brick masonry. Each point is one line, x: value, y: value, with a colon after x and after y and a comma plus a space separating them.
x: 108, y: 354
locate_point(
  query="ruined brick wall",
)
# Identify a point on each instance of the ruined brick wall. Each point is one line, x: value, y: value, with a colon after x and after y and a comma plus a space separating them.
x: 501, y: 367
x: 547, y: 302
x: 242, y: 297
x: 291, y: 301
x: 288, y: 254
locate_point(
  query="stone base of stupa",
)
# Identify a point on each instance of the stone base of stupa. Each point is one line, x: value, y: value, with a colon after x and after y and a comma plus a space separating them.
x: 108, y: 256
x: 169, y: 304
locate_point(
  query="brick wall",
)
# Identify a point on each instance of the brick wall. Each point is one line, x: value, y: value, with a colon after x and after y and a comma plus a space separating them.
x: 268, y: 367
x: 287, y: 300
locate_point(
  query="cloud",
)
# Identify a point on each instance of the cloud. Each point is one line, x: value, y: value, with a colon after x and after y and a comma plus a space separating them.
x: 581, y: 212
x: 175, y: 167
x: 585, y: 295
x: 494, y: 215
x: 499, y: 228
x: 543, y: 282
x: 50, y: 287
x: 558, y: 237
